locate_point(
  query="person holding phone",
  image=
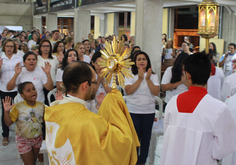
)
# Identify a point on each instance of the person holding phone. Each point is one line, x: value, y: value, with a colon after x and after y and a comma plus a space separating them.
x: 226, y: 59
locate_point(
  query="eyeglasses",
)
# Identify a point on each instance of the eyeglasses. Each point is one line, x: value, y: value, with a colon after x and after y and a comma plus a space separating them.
x: 9, y: 46
x: 89, y: 82
x: 45, y: 46
x: 184, y: 45
x: 61, y: 46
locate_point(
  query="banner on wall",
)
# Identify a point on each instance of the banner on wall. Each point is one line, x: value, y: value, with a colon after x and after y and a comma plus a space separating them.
x: 59, y: 5
x: 40, y: 7
x: 88, y: 2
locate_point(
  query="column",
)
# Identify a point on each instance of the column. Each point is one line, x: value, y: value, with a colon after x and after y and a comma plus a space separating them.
x: 132, y: 24
x: 51, y: 21
x: 116, y: 24
x: 149, y: 15
x: 110, y: 24
x: 102, y: 24
x: 37, y: 22
x: 96, y: 26
x: 171, y: 23
x: 82, y: 24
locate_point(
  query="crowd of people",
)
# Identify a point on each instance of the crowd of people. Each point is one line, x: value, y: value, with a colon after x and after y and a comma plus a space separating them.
x: 33, y: 64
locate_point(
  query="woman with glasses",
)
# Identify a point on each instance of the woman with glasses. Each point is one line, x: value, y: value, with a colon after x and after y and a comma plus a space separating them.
x: 70, y: 56
x: 59, y: 50
x: 8, y: 61
x: 45, y: 55
x: 185, y: 47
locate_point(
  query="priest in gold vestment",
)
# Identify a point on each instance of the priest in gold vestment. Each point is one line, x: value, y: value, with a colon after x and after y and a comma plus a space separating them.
x: 74, y: 135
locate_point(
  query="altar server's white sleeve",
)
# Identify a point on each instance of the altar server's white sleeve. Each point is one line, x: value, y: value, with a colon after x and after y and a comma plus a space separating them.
x: 226, y: 91
x: 224, y: 131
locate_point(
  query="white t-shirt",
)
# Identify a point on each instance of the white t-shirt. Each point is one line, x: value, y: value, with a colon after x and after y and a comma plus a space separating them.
x: 227, y: 68
x: 20, y: 53
x: 37, y: 77
x: 168, y: 53
x: 59, y: 75
x: 31, y: 43
x: 142, y: 101
x: 87, y: 59
x: 8, y: 70
x: 54, y: 64
x: 166, y: 80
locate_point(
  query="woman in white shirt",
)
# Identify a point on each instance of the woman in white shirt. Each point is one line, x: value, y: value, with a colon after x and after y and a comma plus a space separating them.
x: 70, y: 56
x: 168, y: 52
x: 45, y: 55
x: 79, y: 47
x: 100, y: 88
x: 34, y: 40
x: 8, y: 61
x: 87, y: 47
x: 142, y: 89
x: 173, y: 82
x: 40, y: 77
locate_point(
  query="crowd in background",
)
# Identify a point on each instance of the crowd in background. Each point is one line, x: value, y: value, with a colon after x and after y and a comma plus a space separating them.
x: 41, y: 59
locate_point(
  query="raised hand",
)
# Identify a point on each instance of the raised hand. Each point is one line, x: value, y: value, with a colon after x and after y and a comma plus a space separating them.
x: 149, y: 73
x: 100, y: 97
x: 59, y: 95
x: 7, y: 104
x: 60, y: 57
x: 100, y: 79
x: 18, y: 68
x: 47, y: 68
x: 140, y: 74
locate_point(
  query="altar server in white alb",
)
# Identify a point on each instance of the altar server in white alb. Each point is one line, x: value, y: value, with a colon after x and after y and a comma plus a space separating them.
x: 231, y: 102
x: 198, y: 129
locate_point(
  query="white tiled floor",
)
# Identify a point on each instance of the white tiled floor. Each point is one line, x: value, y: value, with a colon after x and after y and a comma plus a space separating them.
x: 8, y: 153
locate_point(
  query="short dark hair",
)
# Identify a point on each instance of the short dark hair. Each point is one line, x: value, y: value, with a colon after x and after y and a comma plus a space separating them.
x: 27, y: 54
x: 133, y: 52
x: 64, y: 61
x: 40, y: 45
x: 186, y: 43
x: 233, y: 44
x: 55, y: 31
x: 4, y: 45
x: 177, y: 67
x: 21, y: 86
x: 135, y: 68
x: 56, y: 46
x: 75, y: 74
x: 198, y: 66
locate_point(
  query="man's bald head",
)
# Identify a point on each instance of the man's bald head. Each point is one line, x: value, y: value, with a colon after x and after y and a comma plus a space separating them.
x: 75, y: 74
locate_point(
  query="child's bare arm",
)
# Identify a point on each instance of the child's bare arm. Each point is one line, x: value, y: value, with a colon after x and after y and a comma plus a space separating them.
x: 7, y: 107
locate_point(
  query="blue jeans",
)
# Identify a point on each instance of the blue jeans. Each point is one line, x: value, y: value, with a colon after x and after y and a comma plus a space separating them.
x: 143, y: 126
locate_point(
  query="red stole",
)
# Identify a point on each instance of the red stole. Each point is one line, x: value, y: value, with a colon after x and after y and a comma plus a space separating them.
x: 188, y: 101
